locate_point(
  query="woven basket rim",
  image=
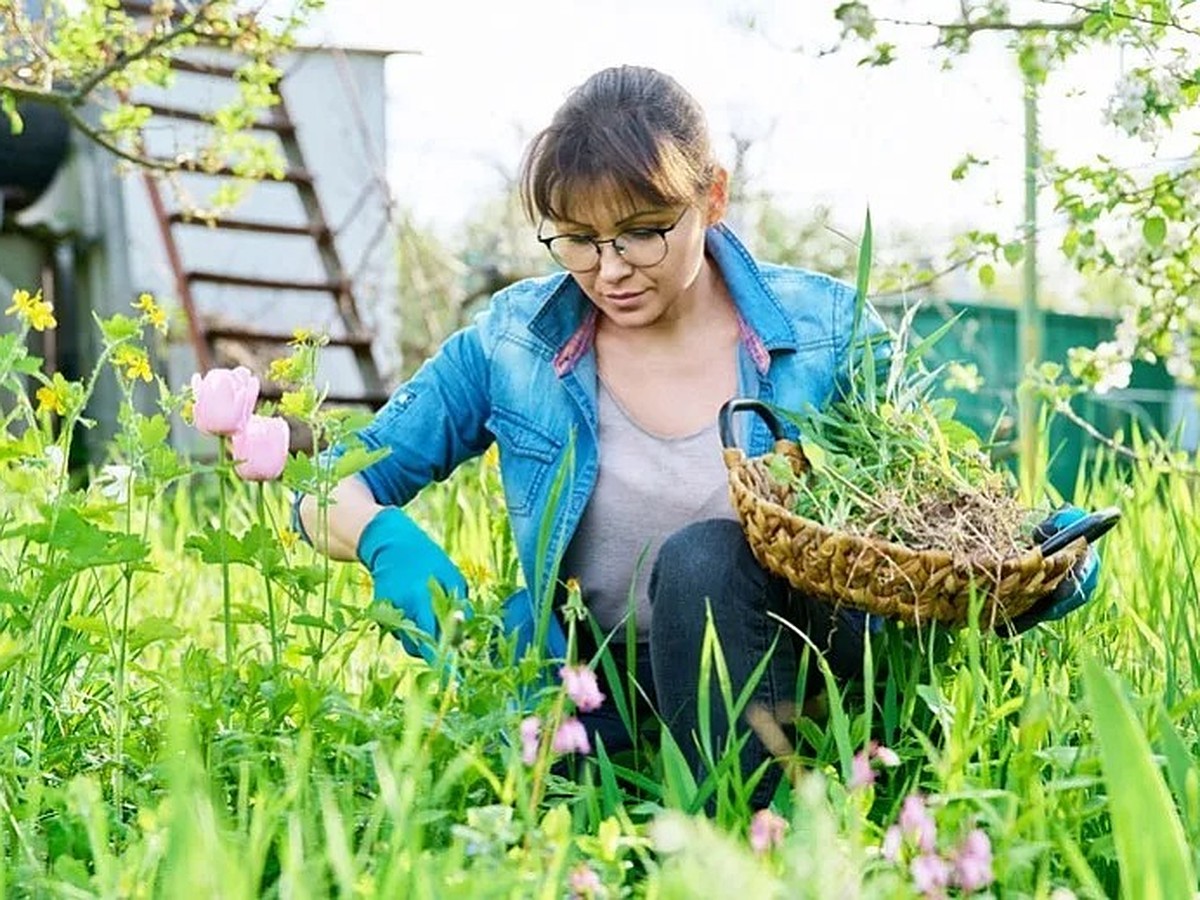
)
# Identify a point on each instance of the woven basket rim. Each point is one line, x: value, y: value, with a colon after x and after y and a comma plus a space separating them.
x: 880, y: 544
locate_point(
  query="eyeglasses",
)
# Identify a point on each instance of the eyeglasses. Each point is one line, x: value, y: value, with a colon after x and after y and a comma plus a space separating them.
x: 640, y: 247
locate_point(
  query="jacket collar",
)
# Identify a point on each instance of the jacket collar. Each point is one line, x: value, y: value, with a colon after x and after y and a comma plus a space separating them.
x: 566, y: 320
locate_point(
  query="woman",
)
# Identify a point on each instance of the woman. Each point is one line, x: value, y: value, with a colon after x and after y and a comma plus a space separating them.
x: 661, y: 316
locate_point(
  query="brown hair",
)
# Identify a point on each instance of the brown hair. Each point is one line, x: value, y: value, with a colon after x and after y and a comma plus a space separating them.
x: 630, y: 128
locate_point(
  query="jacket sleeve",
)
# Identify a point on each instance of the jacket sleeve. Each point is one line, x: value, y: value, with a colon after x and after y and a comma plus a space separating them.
x: 431, y: 423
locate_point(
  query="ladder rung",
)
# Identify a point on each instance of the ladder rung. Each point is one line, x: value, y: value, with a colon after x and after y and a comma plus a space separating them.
x: 193, y: 115
x: 179, y: 218
x: 331, y: 287
x: 202, y: 68
x: 257, y: 336
x: 372, y: 399
x: 292, y: 176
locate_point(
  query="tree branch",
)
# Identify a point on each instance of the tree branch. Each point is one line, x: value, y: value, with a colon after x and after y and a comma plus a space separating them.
x: 101, y: 138
x: 1064, y: 409
x: 969, y: 28
x: 1129, y: 17
x: 123, y: 60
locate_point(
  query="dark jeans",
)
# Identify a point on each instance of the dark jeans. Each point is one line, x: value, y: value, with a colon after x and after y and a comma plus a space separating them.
x: 711, y: 561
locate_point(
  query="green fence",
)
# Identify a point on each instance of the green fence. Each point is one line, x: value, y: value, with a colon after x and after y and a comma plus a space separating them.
x: 986, y: 335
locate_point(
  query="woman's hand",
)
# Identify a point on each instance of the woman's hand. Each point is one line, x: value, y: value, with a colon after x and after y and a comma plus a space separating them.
x: 405, y: 563
x: 1072, y: 592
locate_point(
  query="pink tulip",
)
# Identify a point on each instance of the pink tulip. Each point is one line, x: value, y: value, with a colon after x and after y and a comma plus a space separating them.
x: 224, y: 399
x: 261, y: 448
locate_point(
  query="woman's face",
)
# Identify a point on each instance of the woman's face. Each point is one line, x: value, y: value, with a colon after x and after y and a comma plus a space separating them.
x: 632, y: 296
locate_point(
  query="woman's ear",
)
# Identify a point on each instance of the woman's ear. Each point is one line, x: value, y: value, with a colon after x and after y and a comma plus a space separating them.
x: 717, y: 201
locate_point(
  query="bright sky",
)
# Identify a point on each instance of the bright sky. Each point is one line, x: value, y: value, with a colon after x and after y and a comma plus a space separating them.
x: 489, y: 74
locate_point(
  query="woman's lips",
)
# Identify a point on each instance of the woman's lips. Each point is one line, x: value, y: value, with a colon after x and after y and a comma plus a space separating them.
x: 625, y: 298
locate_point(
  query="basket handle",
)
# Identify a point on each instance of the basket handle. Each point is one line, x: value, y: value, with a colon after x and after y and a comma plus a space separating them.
x: 737, y: 404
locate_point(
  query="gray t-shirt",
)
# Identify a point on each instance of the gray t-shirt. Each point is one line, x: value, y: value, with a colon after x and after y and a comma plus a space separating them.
x: 648, y: 487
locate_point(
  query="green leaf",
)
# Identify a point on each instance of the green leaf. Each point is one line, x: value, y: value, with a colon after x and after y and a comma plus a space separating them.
x: 1154, y: 230
x: 385, y: 615
x: 356, y: 459
x: 987, y: 275
x: 84, y: 545
x: 1156, y: 866
x: 1014, y: 252
x: 217, y: 546
x: 120, y: 327
x: 8, y: 105
x: 304, y: 579
x: 312, y: 622
x: 93, y: 625
x: 155, y: 628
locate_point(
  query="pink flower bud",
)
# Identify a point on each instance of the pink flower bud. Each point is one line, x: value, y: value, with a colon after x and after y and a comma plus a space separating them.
x: 766, y: 830
x: 224, y: 399
x: 261, y: 448
x: 530, y: 727
x: 571, y: 737
x: 580, y: 684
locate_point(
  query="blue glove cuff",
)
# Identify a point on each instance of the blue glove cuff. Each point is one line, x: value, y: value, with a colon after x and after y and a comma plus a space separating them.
x: 392, y: 529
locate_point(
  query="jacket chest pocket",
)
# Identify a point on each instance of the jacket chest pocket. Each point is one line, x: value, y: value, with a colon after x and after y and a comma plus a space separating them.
x: 528, y: 454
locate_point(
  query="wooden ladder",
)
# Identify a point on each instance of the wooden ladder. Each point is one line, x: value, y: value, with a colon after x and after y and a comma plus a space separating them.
x: 206, y: 333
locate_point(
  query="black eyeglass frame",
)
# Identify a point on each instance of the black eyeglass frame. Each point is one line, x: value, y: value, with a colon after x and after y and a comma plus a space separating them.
x: 661, y: 231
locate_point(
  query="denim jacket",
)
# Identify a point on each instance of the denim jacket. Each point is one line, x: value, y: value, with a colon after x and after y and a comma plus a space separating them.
x: 523, y: 374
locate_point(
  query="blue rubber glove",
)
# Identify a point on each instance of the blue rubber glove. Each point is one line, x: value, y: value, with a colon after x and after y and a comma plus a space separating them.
x: 1073, y: 591
x: 403, y: 561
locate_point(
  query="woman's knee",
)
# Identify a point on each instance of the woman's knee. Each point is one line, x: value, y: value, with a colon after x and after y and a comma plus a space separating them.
x: 710, y: 560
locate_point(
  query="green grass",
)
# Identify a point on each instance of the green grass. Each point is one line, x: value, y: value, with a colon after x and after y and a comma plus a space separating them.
x: 143, y: 756
x: 355, y: 775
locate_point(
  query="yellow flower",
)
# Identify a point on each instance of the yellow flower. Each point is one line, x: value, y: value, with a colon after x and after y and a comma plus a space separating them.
x: 152, y: 312
x: 282, y: 369
x: 288, y: 538
x: 298, y: 404
x: 32, y: 309
x: 301, y: 336
x: 56, y: 396
x: 50, y: 400
x: 135, y: 363
x: 22, y: 303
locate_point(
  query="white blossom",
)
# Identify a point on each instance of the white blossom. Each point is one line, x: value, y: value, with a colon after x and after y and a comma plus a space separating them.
x: 114, y: 482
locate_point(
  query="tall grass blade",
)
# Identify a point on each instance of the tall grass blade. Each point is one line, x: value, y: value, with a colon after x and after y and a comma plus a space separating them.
x: 1155, y: 866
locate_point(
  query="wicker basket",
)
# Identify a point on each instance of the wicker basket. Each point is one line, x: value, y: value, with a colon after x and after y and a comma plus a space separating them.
x: 876, y: 576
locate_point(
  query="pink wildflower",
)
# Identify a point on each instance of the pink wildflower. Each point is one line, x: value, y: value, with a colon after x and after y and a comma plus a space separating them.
x: 861, y: 773
x: 571, y: 737
x: 973, y: 862
x: 766, y: 830
x: 584, y: 883
x: 915, y: 821
x: 530, y: 726
x: 581, y: 687
x: 887, y: 756
x: 892, y: 840
x: 930, y: 874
